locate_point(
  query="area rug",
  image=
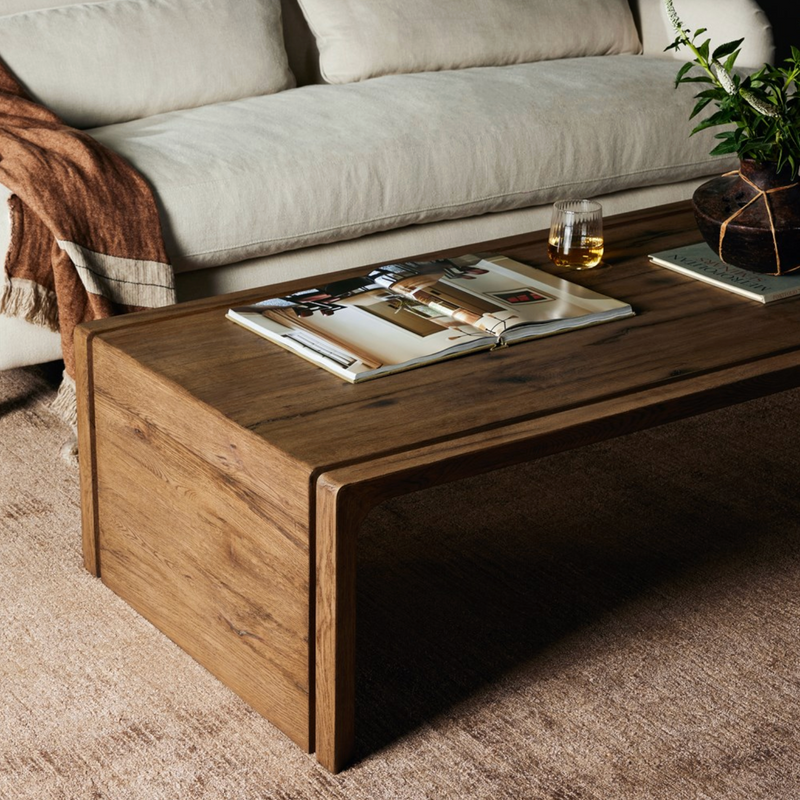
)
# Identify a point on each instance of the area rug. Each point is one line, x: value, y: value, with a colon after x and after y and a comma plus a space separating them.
x: 618, y: 622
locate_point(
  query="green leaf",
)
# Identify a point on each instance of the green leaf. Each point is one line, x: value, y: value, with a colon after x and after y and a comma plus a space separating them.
x: 701, y: 104
x: 708, y: 123
x: 731, y: 60
x: 726, y: 49
x: 720, y: 117
x: 702, y: 126
x: 723, y: 148
x: 682, y: 71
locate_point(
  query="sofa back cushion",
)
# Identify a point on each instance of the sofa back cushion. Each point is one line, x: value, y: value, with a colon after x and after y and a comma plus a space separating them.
x: 98, y: 63
x: 359, y: 39
x: 301, y: 47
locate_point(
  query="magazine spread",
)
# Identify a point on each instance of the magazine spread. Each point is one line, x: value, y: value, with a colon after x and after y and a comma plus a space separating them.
x: 408, y: 314
x: 701, y: 262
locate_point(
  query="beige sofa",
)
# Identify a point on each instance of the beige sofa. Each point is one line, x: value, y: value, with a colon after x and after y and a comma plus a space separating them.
x: 439, y: 139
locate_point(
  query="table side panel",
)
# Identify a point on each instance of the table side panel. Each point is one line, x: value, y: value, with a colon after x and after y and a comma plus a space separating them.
x: 203, y: 529
x: 86, y: 441
x: 338, y: 521
x: 345, y: 495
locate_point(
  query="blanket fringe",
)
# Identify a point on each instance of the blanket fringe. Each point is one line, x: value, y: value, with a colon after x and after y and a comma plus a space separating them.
x: 69, y: 451
x: 65, y: 407
x: 65, y: 403
x: 29, y: 301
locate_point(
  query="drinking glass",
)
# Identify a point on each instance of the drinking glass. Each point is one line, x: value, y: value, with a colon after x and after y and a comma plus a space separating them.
x: 576, y: 234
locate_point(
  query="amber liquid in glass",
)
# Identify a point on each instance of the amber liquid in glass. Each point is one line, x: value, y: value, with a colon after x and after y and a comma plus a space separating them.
x: 584, y: 254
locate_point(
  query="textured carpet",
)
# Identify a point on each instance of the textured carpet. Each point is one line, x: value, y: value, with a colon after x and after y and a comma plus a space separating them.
x: 622, y: 621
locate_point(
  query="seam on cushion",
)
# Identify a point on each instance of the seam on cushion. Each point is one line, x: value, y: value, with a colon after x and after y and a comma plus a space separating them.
x: 399, y: 214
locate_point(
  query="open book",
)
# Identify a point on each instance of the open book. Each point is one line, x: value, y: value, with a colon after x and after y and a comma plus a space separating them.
x: 408, y: 314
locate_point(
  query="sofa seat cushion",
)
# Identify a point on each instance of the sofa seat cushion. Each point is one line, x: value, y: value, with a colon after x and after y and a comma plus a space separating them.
x: 325, y: 163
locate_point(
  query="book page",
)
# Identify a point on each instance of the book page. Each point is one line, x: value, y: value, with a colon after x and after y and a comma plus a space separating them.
x: 367, y: 323
x: 449, y: 291
x: 530, y: 295
x: 407, y: 313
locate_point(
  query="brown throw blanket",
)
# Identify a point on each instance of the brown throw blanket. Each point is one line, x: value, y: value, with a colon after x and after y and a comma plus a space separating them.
x: 86, y: 239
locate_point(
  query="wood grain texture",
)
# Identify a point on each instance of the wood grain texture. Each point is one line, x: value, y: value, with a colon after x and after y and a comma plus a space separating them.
x: 86, y: 447
x: 340, y: 511
x: 446, y: 461
x: 682, y: 328
x: 206, y: 535
x: 230, y: 477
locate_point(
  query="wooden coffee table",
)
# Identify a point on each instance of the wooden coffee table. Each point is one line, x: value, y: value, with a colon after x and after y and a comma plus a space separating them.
x: 224, y: 479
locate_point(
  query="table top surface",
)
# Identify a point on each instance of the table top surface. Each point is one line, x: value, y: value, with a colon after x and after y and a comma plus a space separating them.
x: 684, y: 330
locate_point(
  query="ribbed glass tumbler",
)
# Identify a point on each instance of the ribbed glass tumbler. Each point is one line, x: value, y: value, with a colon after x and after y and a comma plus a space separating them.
x: 576, y: 234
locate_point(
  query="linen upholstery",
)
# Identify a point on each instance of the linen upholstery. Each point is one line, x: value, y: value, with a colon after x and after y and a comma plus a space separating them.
x: 740, y: 18
x: 400, y: 244
x: 359, y: 39
x: 326, y: 163
x: 23, y: 343
x: 100, y: 63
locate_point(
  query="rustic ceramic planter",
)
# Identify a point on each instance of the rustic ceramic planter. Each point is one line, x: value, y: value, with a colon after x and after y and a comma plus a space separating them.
x: 751, y: 218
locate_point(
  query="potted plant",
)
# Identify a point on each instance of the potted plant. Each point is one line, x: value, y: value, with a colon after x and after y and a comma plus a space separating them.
x: 750, y: 217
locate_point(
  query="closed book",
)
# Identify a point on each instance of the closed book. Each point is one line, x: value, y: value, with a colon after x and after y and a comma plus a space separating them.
x: 701, y: 262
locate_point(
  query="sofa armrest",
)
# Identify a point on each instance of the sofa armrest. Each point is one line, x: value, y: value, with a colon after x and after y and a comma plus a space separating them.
x: 726, y: 21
